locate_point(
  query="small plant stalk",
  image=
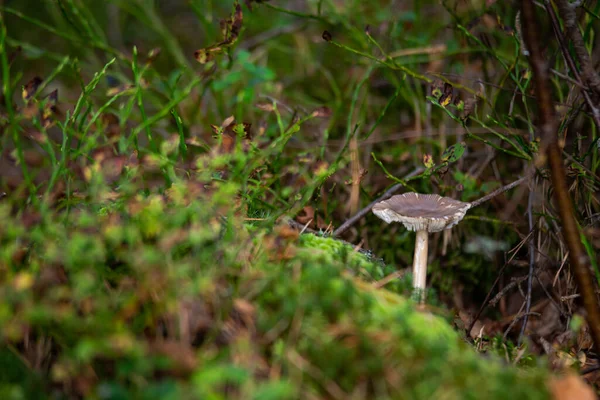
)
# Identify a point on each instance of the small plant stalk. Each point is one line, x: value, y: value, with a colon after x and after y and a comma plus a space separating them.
x: 420, y: 264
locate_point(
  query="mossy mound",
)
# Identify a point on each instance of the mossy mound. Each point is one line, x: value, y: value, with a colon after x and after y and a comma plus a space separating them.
x: 161, y: 299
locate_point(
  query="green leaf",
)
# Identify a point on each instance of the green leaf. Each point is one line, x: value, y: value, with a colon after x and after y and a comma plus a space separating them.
x: 453, y: 153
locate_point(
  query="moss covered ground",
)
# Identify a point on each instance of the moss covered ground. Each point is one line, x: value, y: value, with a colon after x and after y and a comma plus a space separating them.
x: 172, y: 174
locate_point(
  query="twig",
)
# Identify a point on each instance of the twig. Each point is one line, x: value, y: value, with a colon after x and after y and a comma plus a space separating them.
x: 514, y: 321
x: 572, y: 296
x: 394, y: 275
x: 499, y: 191
x: 436, y: 48
x: 351, y: 221
x: 580, y: 264
x: 590, y: 370
x: 300, y: 227
x: 514, y: 282
x: 568, y: 78
x: 305, y: 227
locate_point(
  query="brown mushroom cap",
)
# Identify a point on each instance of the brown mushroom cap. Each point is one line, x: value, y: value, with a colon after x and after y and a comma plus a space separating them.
x: 422, y: 212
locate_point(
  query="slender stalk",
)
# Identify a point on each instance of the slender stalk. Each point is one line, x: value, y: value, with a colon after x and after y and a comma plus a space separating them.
x: 420, y: 264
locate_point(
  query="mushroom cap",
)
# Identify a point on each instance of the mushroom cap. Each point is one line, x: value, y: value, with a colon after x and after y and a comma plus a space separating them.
x: 422, y: 212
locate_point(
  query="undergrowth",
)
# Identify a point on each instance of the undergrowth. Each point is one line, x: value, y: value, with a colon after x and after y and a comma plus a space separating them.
x: 152, y: 158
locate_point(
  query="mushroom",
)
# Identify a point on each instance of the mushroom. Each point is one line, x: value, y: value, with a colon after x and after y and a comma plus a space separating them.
x: 422, y: 213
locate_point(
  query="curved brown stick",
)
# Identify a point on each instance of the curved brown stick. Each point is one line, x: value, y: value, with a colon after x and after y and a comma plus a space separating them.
x: 580, y: 263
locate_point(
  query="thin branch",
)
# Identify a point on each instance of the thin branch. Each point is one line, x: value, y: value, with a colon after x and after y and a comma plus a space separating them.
x: 572, y: 296
x: 568, y: 78
x: 301, y: 227
x: 514, y: 282
x: 580, y: 263
x: 514, y: 321
x: 393, y: 276
x: 499, y: 191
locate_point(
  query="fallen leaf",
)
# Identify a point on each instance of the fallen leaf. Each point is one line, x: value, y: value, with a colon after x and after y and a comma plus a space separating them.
x: 570, y: 387
x: 322, y: 112
x: 30, y: 88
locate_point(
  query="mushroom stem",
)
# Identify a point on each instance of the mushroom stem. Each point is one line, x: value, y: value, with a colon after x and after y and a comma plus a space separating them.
x: 420, y: 264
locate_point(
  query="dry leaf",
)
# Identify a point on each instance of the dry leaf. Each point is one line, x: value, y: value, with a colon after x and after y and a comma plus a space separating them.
x: 570, y: 387
x: 30, y: 88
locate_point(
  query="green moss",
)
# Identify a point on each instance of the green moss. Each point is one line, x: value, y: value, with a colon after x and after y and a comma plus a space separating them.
x: 390, y: 337
x: 314, y: 316
x: 361, y: 263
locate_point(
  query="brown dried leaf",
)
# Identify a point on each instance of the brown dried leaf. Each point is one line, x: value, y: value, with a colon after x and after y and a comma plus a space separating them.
x: 119, y: 89
x: 280, y: 245
x: 227, y: 143
x: 230, y: 29
x: 321, y: 168
x: 322, y: 112
x: 235, y: 25
x: 50, y: 110
x: 246, y: 312
x: 570, y: 387
x: 182, y: 356
x: 30, y: 88
x: 266, y: 107
x: 39, y: 137
x: 228, y: 121
x: 307, y: 216
x: 204, y: 56
x: 286, y: 232
x: 229, y: 132
x: 446, y: 95
x: 584, y: 339
x: 194, y: 141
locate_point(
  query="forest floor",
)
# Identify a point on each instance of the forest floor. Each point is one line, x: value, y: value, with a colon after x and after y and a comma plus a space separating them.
x: 186, y: 192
